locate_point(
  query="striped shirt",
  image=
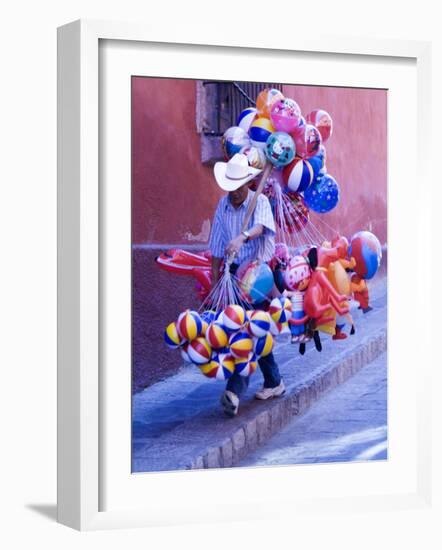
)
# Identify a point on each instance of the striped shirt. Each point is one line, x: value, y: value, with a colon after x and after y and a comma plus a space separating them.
x: 227, y: 224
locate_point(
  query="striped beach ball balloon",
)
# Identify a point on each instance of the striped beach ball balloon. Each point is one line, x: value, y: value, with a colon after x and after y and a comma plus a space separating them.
x: 199, y: 351
x: 263, y: 346
x: 216, y: 335
x: 221, y: 367
x: 259, y: 323
x: 183, y: 350
x: 280, y: 309
x: 260, y: 131
x: 171, y: 336
x: 298, y: 175
x: 275, y: 328
x: 246, y: 117
x: 234, y: 317
x: 246, y: 366
x: 189, y: 325
x: 240, y: 344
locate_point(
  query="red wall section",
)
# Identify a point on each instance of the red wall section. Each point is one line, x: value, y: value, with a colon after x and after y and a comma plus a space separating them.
x: 173, y: 193
x: 356, y: 153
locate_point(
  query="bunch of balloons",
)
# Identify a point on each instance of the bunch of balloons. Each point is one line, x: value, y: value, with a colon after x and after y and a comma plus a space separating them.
x: 275, y: 131
x: 222, y: 343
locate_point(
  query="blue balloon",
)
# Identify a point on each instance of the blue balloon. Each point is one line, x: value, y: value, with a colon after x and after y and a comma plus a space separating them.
x: 322, y: 195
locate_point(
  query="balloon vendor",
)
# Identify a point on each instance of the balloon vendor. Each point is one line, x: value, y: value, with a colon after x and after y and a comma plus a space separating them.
x: 256, y: 242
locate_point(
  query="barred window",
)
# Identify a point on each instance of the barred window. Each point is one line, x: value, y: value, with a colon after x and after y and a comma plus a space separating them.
x: 218, y: 105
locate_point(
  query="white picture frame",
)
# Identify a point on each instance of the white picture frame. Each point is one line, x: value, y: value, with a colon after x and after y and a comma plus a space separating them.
x: 79, y: 266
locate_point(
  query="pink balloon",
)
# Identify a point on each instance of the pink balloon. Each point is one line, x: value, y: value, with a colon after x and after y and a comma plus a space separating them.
x: 285, y: 115
x: 323, y: 122
x: 307, y: 142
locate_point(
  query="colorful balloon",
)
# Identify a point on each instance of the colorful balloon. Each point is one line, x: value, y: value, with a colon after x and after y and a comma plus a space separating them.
x: 246, y: 366
x: 265, y: 101
x: 183, y: 350
x: 318, y: 164
x: 189, y: 325
x: 246, y: 117
x: 255, y: 156
x: 323, y: 195
x: 255, y: 280
x: 280, y: 149
x: 366, y: 249
x: 300, y: 128
x: 307, y: 141
x: 221, y: 367
x: 297, y: 273
x: 259, y: 323
x: 280, y: 309
x: 275, y: 328
x: 259, y: 132
x: 263, y: 346
x: 234, y: 317
x: 285, y: 115
x: 199, y: 351
x: 171, y: 336
x: 240, y: 344
x: 298, y: 175
x: 323, y: 122
x: 233, y: 140
x: 216, y: 335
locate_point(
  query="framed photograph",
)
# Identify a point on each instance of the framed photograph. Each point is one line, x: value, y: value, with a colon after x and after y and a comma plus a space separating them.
x: 234, y: 278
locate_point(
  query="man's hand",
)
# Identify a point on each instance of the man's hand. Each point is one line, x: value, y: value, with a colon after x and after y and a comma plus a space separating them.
x: 235, y: 245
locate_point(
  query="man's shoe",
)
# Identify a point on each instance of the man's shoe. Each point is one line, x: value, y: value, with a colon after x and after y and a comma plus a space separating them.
x: 268, y: 393
x: 230, y: 403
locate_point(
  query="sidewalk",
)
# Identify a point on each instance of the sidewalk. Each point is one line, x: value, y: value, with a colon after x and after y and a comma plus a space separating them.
x: 347, y: 424
x: 178, y: 423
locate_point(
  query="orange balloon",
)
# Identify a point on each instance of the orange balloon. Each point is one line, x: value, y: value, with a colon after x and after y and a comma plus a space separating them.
x: 265, y: 100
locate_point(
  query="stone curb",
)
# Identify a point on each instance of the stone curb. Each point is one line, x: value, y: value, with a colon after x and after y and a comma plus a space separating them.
x: 257, y: 430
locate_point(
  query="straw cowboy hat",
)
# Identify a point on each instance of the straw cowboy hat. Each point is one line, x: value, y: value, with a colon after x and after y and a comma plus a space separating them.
x: 235, y: 173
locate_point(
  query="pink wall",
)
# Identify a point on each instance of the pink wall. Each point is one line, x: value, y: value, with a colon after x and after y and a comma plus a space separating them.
x: 356, y: 153
x: 173, y: 193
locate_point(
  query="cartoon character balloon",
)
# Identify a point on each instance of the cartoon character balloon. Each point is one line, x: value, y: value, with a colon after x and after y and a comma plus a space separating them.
x: 323, y: 122
x: 265, y: 101
x: 285, y: 115
x: 307, y: 141
x: 280, y: 149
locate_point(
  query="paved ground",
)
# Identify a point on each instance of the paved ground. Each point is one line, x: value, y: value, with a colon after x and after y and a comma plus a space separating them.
x: 177, y: 419
x: 348, y: 424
